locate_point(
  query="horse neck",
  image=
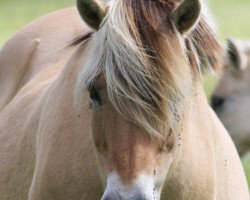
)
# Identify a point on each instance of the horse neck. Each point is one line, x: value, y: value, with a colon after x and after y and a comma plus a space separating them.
x: 197, y: 116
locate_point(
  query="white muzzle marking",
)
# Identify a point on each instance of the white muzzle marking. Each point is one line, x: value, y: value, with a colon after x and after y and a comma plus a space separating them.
x: 143, y: 188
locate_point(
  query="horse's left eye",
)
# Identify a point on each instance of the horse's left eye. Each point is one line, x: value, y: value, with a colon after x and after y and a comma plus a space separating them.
x: 95, y: 96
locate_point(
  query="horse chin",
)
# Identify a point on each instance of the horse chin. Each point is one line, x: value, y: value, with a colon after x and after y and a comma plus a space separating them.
x: 142, y: 188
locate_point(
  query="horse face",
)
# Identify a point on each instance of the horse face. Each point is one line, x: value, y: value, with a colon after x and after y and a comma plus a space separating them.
x: 133, y: 164
x: 135, y: 155
x: 231, y: 98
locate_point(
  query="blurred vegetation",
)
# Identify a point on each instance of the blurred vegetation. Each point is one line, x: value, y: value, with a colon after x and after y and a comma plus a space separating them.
x: 232, y: 16
x: 14, y: 14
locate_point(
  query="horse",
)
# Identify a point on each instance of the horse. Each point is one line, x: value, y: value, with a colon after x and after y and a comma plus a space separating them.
x: 106, y: 102
x: 231, y: 97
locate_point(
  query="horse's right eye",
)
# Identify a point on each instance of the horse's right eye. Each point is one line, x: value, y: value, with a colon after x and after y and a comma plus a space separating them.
x: 95, y: 96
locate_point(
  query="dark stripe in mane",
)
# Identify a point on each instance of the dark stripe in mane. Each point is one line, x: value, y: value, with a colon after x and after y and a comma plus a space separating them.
x: 80, y: 39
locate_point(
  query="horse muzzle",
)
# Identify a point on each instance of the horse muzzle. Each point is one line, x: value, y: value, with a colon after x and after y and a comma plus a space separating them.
x: 141, y: 189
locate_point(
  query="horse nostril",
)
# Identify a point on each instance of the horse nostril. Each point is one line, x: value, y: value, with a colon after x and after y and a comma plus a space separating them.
x: 217, y: 102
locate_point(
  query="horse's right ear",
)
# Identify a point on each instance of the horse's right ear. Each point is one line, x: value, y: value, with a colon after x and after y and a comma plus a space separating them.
x: 186, y: 15
x: 235, y: 55
x: 92, y: 12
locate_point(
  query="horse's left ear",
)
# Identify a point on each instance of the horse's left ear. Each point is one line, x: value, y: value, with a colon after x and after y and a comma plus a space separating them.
x: 92, y: 12
x: 236, y: 54
x: 186, y: 15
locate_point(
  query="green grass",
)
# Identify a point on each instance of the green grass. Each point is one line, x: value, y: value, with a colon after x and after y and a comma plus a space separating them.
x: 246, y: 164
x: 232, y: 16
x: 14, y: 14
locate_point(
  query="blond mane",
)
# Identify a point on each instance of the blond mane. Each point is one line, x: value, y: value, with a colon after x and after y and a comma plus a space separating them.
x: 145, y: 62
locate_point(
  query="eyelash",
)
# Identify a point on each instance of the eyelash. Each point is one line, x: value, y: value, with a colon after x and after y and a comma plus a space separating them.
x: 94, y: 95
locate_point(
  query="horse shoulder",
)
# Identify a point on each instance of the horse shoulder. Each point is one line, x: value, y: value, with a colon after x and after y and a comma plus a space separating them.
x: 30, y: 64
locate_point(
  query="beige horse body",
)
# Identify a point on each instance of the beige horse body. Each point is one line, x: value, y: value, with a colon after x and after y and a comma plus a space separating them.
x: 231, y: 99
x: 47, y: 148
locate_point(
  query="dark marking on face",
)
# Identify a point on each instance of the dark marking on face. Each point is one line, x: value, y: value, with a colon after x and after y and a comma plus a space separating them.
x: 154, y: 192
x: 225, y: 163
x: 176, y: 115
x: 170, y: 140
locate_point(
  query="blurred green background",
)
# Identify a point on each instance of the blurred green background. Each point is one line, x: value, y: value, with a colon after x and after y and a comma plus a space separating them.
x: 232, y: 16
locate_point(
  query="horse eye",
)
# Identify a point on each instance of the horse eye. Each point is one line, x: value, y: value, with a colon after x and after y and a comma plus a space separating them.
x: 94, y: 95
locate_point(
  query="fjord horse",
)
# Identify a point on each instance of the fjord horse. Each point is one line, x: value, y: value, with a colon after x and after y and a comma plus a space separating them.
x: 231, y: 97
x: 118, y: 113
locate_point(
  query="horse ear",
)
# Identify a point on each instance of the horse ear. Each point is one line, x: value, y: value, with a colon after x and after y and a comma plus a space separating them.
x: 234, y: 54
x: 186, y: 15
x: 92, y: 12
